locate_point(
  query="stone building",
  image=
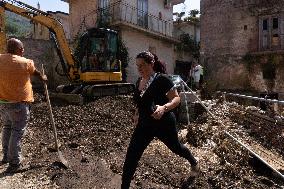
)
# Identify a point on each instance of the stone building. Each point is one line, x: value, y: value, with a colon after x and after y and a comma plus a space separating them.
x: 242, y: 45
x: 142, y: 25
x: 63, y: 18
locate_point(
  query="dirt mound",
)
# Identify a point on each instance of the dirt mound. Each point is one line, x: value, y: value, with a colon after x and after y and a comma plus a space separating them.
x: 94, y: 138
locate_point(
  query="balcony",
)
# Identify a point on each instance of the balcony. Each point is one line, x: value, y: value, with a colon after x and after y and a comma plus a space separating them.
x: 121, y: 13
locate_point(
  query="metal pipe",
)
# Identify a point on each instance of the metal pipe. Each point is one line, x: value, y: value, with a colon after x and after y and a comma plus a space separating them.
x: 186, y: 105
x: 254, y: 98
x: 254, y: 154
x: 202, y: 104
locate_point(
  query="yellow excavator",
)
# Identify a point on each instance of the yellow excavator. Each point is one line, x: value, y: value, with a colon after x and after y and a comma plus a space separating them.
x: 93, y: 69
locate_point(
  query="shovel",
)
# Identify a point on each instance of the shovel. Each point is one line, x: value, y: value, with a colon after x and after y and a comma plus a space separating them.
x: 61, y: 158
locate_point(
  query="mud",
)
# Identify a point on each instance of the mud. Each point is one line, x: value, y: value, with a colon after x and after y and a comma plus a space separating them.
x: 94, y: 139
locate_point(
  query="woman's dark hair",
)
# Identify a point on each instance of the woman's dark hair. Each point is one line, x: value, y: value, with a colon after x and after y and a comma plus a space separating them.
x: 147, y: 56
x: 151, y: 58
x: 159, y: 66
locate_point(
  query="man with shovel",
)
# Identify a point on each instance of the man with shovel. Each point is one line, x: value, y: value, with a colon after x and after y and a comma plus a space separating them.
x: 15, y: 96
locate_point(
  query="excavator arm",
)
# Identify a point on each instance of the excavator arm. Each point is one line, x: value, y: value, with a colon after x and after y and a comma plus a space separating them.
x: 95, y: 71
x: 54, y: 26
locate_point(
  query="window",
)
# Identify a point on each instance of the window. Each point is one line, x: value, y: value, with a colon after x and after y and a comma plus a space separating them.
x: 142, y: 13
x: 264, y: 42
x: 103, y: 4
x: 245, y: 27
x: 264, y: 24
x: 275, y: 23
x: 275, y: 40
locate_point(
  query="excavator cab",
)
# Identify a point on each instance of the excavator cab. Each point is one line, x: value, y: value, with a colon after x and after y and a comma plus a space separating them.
x: 97, y: 52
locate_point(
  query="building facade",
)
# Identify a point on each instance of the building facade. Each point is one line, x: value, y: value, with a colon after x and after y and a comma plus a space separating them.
x: 41, y: 32
x: 242, y: 44
x: 185, y: 31
x: 142, y: 25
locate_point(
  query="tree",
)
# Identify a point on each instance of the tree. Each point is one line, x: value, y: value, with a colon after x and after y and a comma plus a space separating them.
x: 179, y: 15
x: 193, y: 16
x: 194, y: 12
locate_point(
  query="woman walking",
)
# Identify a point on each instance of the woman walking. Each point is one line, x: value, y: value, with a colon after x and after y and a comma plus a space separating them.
x: 156, y: 97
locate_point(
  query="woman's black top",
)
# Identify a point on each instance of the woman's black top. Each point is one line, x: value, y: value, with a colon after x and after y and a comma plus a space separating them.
x: 154, y: 95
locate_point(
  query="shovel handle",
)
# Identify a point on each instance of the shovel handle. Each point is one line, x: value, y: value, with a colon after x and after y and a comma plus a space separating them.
x: 50, y: 111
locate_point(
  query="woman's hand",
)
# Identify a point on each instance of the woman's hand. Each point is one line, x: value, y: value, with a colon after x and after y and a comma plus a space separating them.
x: 174, y: 101
x: 159, y: 112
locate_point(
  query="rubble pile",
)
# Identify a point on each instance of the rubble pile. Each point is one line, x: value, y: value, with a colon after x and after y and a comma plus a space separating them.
x: 235, y: 167
x: 268, y: 130
x: 94, y: 139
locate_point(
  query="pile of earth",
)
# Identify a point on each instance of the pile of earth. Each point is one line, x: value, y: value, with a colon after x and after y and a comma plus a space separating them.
x: 94, y: 139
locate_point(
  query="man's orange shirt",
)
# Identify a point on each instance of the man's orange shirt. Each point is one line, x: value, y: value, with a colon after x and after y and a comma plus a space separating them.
x: 15, y: 81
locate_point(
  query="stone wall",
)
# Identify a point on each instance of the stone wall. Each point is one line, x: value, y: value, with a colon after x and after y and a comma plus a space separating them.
x: 229, y: 31
x: 43, y: 52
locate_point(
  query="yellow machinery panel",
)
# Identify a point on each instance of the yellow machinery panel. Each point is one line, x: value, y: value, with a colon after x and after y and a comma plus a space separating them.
x: 101, y: 76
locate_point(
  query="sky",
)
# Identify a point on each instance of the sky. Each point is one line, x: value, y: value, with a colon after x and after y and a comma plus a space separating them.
x: 58, y: 5
x: 187, y: 6
x: 49, y: 5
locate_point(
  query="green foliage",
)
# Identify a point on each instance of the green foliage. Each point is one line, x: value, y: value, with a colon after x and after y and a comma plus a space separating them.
x: 268, y: 70
x: 188, y: 44
x: 194, y: 12
x: 192, y: 19
x: 11, y: 28
x: 193, y: 16
x: 17, y: 25
x: 179, y: 15
x: 104, y: 19
x: 268, y: 63
x: 250, y: 60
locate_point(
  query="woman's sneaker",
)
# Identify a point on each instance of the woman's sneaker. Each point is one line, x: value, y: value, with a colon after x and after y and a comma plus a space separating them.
x: 14, y: 168
x: 195, y: 170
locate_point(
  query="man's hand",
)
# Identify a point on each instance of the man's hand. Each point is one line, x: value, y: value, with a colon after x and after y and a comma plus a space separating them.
x: 40, y: 75
x: 43, y: 77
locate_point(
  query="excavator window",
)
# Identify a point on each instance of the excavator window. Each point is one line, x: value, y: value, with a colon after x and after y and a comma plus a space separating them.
x: 100, y: 52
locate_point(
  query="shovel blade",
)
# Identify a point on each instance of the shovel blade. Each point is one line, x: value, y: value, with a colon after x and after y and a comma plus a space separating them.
x: 63, y: 160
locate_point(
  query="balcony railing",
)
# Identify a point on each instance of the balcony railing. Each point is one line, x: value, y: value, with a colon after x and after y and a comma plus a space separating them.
x: 120, y: 12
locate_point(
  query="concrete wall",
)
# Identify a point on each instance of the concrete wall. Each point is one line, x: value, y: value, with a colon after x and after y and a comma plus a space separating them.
x: 194, y: 31
x: 43, y: 52
x: 80, y: 10
x: 82, y: 15
x: 187, y: 28
x: 137, y: 42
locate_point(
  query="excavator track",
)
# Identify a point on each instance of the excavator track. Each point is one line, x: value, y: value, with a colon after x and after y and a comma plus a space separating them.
x: 79, y: 93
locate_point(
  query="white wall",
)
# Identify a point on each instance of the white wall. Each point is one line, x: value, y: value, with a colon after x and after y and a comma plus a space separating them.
x: 137, y: 42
